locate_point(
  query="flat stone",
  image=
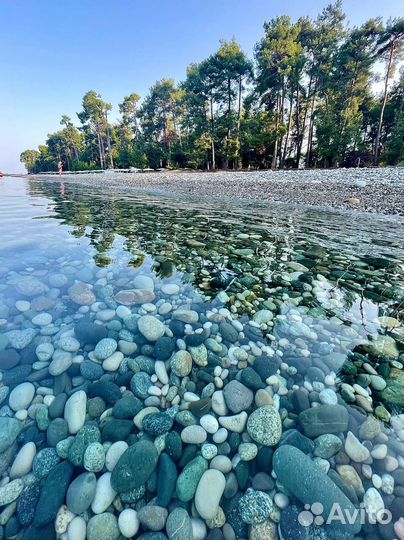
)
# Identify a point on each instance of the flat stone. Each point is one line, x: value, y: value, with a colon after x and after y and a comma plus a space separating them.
x: 327, y: 445
x: 179, y: 525
x: 209, y: 423
x: 22, y: 463
x: 264, y: 426
x: 189, y: 478
x: 193, y: 435
x: 209, y: 492
x: 21, y: 396
x: 127, y: 407
x: 53, y: 493
x: 370, y: 428
x: 324, y: 419
x: 310, y: 484
x: 263, y: 316
x: 44, y: 461
x: 128, y: 523
x: 11, y: 491
x: 61, y: 361
x: 134, y: 467
x: 80, y: 493
x: 166, y: 479
x: 382, y: 346
x: 228, y: 332
x: 82, y: 294
x: 107, y: 390
x: 9, y: 431
x: 151, y: 327
x: 116, y: 430
x: 103, y: 527
x: 94, y: 457
x: 104, y: 494
x: 19, y: 339
x: 354, y: 449
x: 186, y: 316
x: 105, y: 348
x: 237, y: 396
x: 199, y: 355
x: 89, y: 332
x: 152, y: 517
x: 373, y: 503
x: 267, y: 530
x: 157, y: 423
x: 30, y: 286
x: 87, y: 434
x: 57, y: 430
x: 163, y: 349
x: 114, y: 453
x: 27, y: 502
x: 255, y: 506
x: 351, y: 478
x: 181, y: 363
x: 44, y: 351
x: 235, y: 423
x: 8, y: 359
x: 393, y: 394
x: 75, y: 411
x: 140, y: 384
x: 130, y: 297
x: 91, y: 370
x: 42, y: 319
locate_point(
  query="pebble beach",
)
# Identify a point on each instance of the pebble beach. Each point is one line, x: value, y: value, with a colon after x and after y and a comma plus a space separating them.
x: 375, y: 190
x: 134, y: 405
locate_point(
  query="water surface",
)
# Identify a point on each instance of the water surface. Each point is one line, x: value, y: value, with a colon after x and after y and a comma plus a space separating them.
x: 316, y: 292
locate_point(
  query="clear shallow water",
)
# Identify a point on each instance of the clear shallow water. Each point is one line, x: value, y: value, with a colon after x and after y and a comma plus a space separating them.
x: 327, y: 288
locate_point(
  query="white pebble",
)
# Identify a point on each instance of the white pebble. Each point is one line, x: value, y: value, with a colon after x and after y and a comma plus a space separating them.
x: 77, y: 528
x: 209, y: 423
x: 114, y: 453
x: 128, y: 522
x: 22, y: 463
x: 281, y: 500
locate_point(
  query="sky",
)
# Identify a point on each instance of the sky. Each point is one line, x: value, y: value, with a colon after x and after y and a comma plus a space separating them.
x: 53, y: 51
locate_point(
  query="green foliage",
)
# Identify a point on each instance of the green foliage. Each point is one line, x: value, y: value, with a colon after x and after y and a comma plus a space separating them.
x: 29, y: 158
x: 307, y: 100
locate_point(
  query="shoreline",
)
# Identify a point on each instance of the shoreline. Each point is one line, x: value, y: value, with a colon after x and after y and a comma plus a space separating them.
x: 346, y: 189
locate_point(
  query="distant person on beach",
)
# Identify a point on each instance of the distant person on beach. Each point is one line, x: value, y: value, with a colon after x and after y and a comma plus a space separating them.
x: 60, y: 168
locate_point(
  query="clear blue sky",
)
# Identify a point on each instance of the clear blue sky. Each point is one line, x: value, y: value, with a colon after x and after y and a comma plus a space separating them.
x: 53, y: 51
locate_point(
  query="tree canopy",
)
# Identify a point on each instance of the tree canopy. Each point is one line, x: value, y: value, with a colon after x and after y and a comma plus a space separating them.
x: 306, y: 99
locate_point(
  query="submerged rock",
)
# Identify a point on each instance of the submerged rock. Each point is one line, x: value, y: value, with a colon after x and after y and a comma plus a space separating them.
x: 324, y: 419
x: 134, y: 467
x: 264, y: 426
x: 9, y: 431
x: 310, y: 484
x: 53, y: 493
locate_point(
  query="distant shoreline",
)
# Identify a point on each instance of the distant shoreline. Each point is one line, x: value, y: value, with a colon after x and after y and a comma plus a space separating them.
x: 376, y: 190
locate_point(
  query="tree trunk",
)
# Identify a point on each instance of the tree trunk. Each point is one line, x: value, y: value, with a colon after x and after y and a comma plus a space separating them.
x: 111, y: 161
x: 100, y: 149
x: 285, y: 147
x: 386, y: 84
x: 282, y: 119
x: 212, y: 135
x: 228, y: 131
x: 238, y: 122
x: 297, y: 122
x: 303, y: 127
x: 311, y: 121
x: 103, y: 152
x: 275, y: 154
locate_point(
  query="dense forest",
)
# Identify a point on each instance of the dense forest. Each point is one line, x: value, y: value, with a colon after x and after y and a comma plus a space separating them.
x: 307, y: 99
